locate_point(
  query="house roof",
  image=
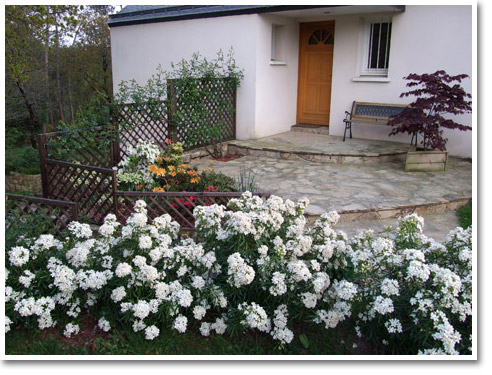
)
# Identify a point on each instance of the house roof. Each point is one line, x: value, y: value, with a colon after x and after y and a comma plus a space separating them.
x: 140, y: 14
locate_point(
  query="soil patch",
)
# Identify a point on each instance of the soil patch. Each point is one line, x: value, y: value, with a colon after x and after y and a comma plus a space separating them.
x: 227, y: 158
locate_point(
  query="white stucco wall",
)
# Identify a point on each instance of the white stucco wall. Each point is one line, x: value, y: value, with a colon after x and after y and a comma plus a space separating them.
x: 137, y: 50
x: 424, y: 39
x: 276, y: 85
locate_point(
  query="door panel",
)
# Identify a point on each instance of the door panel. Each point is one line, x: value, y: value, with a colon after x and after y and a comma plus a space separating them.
x: 315, y: 72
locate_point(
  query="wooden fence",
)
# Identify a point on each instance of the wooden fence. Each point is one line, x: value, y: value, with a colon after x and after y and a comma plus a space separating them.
x: 54, y: 215
x: 76, y: 164
x: 93, y: 188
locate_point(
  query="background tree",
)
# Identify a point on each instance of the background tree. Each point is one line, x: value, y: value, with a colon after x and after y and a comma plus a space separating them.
x: 58, y: 62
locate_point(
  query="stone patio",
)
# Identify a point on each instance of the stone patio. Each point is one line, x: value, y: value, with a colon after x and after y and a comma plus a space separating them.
x: 361, y: 179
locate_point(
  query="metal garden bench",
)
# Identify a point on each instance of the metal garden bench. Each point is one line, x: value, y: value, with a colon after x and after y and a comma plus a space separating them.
x: 372, y: 113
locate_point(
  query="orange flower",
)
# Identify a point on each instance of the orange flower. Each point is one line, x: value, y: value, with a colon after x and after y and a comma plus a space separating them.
x: 184, y: 166
x: 171, y: 167
x: 153, y: 168
x: 158, y: 189
x: 172, y: 173
x: 139, y: 187
x: 158, y: 159
x: 166, y: 159
x: 191, y: 172
x: 194, y: 180
x: 181, y: 170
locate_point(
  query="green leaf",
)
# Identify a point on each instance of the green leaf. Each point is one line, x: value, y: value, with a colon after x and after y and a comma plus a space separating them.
x: 304, y: 340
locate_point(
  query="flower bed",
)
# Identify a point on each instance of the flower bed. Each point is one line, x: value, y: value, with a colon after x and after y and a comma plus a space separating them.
x: 253, y: 265
x: 147, y: 168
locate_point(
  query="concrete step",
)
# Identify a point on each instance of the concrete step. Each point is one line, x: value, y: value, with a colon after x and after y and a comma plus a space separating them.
x: 313, y: 129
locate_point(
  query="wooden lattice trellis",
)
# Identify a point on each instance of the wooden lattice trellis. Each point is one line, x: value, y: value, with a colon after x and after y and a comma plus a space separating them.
x: 87, y: 147
x: 141, y: 122
x: 216, y: 108
x: 92, y: 188
x: 54, y: 215
x: 179, y: 205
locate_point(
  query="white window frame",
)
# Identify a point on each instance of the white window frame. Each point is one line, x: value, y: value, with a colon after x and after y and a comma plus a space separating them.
x: 365, y: 71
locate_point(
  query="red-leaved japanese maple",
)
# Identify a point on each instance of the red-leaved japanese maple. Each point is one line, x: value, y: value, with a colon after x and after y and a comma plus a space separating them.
x: 437, y: 94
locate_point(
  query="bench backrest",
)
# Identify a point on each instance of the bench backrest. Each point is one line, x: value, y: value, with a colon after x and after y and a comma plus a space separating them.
x: 379, y: 112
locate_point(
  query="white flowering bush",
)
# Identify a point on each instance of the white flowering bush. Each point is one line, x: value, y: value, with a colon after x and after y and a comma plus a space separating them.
x: 252, y: 265
x: 133, y: 169
x: 415, y: 294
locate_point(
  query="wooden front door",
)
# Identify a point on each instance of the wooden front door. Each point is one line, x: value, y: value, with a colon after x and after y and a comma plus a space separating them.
x: 315, y: 71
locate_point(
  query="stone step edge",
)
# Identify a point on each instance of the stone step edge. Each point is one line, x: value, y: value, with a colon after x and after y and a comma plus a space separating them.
x: 395, y: 212
x: 232, y: 146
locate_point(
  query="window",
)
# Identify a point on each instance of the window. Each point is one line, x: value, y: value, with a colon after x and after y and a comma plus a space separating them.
x: 278, y: 41
x: 377, y: 48
x: 320, y: 37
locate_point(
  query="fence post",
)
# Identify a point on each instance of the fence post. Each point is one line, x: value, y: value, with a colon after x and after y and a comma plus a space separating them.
x: 113, y: 192
x: 43, y: 155
x: 234, y: 106
x: 171, y: 109
x: 115, y: 143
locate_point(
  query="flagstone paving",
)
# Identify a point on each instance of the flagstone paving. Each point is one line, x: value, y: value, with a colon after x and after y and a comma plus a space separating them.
x: 363, y: 180
x: 352, y: 187
x: 436, y: 226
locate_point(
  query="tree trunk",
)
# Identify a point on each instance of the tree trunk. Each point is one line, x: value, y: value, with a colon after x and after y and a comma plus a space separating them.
x: 70, y: 99
x: 33, y: 121
x: 47, y: 78
x: 58, y: 81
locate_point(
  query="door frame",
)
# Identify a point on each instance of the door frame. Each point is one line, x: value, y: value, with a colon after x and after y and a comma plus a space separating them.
x: 320, y: 23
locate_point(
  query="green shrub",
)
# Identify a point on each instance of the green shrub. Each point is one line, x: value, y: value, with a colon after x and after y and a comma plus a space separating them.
x: 23, y: 160
x: 14, y: 138
x: 217, y: 180
x: 465, y: 215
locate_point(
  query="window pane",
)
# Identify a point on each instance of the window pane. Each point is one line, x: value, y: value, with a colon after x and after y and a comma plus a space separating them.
x: 373, y: 52
x: 386, y: 63
x: 379, y: 42
x: 382, y: 46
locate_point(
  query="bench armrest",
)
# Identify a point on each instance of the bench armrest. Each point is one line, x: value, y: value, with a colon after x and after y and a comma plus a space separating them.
x: 348, y: 115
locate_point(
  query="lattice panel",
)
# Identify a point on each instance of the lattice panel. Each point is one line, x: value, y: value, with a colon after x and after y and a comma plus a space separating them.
x: 91, y: 187
x: 219, y: 104
x: 81, y: 147
x: 52, y: 215
x: 142, y: 122
x: 179, y: 206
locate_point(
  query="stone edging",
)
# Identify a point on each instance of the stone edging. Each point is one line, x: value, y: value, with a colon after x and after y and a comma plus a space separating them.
x: 24, y: 183
x: 373, y: 158
x: 395, y: 212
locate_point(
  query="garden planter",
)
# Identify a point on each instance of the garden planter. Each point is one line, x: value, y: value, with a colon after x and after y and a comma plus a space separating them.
x: 426, y: 161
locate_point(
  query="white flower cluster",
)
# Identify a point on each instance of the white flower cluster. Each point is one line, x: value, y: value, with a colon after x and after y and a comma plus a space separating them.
x: 240, y: 273
x: 280, y: 331
x: 255, y: 317
x: 137, y: 160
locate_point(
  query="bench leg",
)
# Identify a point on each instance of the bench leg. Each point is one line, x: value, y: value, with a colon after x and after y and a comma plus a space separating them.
x: 348, y: 125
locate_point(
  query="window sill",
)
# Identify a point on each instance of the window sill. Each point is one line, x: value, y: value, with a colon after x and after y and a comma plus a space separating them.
x: 371, y: 79
x: 277, y: 63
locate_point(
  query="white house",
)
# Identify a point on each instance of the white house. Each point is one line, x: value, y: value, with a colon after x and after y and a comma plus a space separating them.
x: 304, y: 64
